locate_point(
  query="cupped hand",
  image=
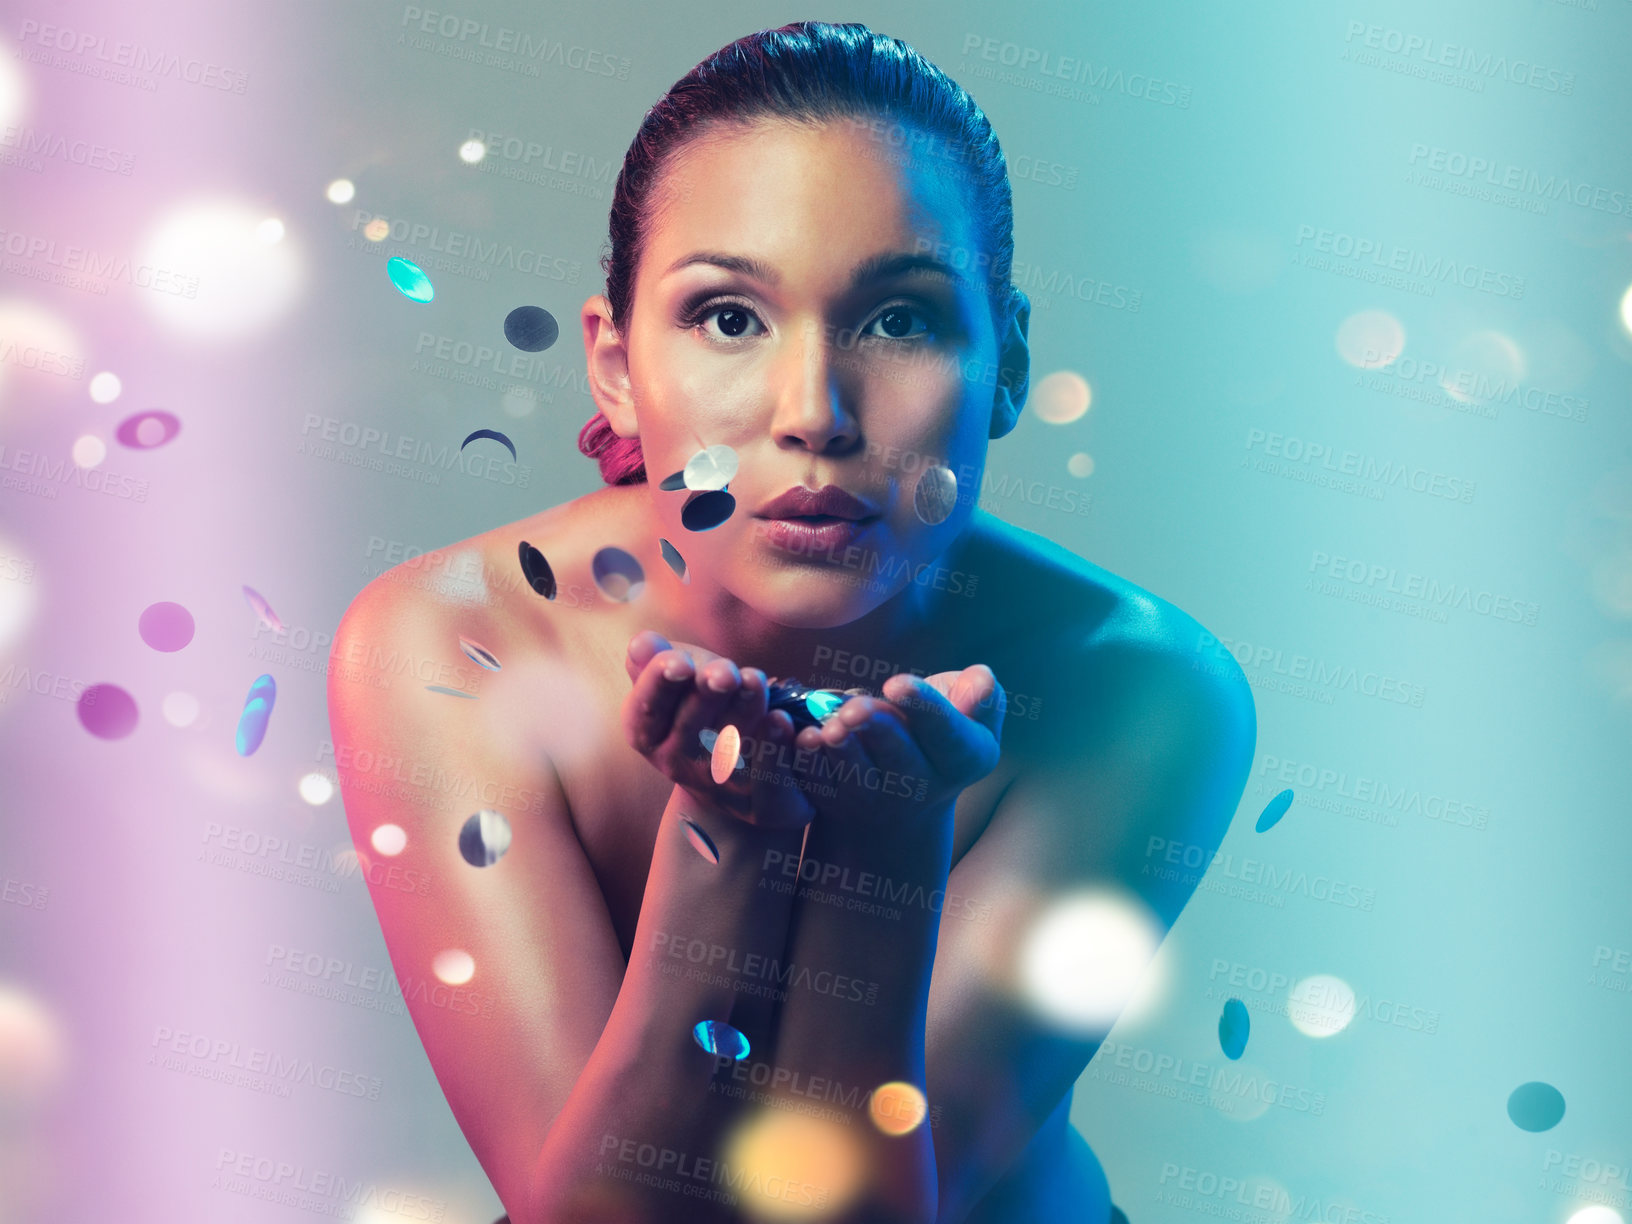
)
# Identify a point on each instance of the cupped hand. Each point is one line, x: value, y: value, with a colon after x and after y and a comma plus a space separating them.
x: 880, y: 759
x: 679, y: 691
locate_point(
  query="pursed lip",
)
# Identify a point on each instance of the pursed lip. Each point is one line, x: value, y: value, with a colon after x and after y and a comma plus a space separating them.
x: 828, y: 502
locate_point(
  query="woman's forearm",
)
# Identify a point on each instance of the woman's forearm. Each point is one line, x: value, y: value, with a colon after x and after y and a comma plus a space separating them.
x: 869, y: 908
x: 636, y: 1139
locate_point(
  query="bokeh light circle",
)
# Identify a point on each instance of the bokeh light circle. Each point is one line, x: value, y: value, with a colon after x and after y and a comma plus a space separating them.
x: 1061, y: 397
x: 89, y: 450
x: 389, y: 840
x: 105, y: 387
x: 1321, y: 1005
x: 316, y: 788
x: 1370, y: 339
x: 897, y: 1108
x: 1083, y: 957
x: 454, y: 966
x: 787, y: 1158
x: 221, y: 277
x: 179, y: 709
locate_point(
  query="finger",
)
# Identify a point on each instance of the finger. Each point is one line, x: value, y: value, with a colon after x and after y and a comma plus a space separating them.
x: 942, y: 730
x: 775, y: 805
x: 883, y: 731
x: 642, y: 647
x: 712, y: 694
x: 752, y: 700
x: 649, y: 709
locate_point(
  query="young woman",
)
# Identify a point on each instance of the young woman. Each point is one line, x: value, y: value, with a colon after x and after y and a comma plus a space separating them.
x: 810, y: 243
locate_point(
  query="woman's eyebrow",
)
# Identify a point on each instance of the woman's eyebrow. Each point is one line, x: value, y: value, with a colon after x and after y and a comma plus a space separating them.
x: 874, y: 267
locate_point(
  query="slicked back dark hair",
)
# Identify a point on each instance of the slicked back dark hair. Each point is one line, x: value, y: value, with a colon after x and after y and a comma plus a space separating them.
x: 809, y: 72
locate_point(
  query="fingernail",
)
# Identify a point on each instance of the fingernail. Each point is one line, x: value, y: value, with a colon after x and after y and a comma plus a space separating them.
x: 676, y: 669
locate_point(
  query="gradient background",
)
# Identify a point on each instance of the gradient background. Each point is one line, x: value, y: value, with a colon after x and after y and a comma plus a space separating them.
x: 1476, y: 833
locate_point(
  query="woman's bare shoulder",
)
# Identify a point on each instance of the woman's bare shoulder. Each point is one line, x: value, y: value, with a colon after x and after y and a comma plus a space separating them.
x: 482, y: 584
x: 1062, y: 598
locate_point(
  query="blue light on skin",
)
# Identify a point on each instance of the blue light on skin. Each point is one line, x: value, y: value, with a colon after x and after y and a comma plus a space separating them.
x: 409, y: 279
x: 719, y: 1038
x: 257, y: 709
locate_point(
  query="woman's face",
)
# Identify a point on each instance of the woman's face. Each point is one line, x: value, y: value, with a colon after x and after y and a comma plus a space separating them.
x: 812, y: 377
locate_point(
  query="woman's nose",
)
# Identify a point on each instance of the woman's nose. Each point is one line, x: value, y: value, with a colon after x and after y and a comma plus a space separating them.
x: 812, y: 407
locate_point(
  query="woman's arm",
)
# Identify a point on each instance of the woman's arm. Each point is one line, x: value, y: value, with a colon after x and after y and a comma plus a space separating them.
x: 1149, y: 748
x: 855, y: 1044
x: 553, y: 1046
x: 861, y: 1025
x: 637, y: 1139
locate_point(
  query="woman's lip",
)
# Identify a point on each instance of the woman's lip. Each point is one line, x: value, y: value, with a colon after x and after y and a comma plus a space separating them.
x: 813, y: 536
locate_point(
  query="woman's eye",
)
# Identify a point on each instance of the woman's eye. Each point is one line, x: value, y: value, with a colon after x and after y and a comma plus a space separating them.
x: 734, y: 319
x: 897, y: 321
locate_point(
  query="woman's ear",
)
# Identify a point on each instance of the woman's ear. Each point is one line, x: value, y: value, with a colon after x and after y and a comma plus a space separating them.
x: 607, y: 358
x: 1013, y: 367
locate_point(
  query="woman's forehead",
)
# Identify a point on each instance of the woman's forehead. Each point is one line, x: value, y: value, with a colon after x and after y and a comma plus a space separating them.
x: 802, y: 197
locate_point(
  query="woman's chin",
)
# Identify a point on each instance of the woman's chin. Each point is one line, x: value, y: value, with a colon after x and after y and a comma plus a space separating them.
x: 814, y: 600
